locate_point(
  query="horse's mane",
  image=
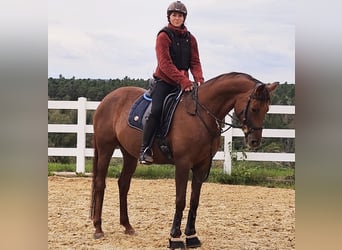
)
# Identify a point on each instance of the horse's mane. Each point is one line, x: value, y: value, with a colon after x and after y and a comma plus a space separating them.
x: 235, y: 74
x: 264, y: 95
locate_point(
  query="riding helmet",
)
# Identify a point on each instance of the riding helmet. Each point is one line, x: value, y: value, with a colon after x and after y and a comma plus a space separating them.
x: 177, y: 6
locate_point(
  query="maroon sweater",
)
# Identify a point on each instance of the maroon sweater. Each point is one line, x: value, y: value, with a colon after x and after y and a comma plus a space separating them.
x: 167, y: 71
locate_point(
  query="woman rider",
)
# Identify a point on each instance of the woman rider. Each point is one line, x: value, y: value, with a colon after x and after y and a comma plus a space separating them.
x: 177, y: 53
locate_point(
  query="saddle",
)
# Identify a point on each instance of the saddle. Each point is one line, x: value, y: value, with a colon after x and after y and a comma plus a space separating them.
x: 142, y: 108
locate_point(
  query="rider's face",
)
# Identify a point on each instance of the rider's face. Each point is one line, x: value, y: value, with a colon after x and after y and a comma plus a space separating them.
x: 176, y: 19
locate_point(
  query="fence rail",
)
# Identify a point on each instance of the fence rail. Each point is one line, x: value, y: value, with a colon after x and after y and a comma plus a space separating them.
x: 81, y: 129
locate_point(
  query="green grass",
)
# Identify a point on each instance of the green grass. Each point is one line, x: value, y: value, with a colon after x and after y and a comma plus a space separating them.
x: 61, y: 167
x: 266, y: 174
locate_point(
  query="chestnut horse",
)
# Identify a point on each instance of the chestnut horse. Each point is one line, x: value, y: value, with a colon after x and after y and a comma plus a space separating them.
x: 194, y: 138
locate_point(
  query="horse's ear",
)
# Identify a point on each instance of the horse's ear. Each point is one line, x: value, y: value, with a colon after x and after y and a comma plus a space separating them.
x: 272, y: 86
x: 260, y: 90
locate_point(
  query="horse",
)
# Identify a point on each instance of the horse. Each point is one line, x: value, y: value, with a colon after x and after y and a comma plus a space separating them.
x: 193, y: 138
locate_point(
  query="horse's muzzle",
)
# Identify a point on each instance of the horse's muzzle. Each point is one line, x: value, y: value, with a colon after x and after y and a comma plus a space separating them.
x: 252, y: 140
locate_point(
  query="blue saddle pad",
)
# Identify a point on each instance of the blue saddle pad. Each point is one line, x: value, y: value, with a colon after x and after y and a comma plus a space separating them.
x: 139, y: 112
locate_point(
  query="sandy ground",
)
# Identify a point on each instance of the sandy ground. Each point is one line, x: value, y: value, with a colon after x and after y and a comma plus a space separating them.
x: 229, y: 217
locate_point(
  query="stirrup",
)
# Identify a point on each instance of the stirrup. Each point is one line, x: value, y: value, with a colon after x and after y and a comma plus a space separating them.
x: 146, y: 156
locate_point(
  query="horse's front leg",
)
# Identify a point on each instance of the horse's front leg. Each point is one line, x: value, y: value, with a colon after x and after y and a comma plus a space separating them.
x: 192, y: 240
x: 181, y: 184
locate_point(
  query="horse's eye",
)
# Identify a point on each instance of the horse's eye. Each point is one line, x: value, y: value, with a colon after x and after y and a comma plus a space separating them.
x: 255, y: 110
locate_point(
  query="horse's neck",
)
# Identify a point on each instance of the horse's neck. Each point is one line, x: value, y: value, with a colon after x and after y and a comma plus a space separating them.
x: 220, y: 97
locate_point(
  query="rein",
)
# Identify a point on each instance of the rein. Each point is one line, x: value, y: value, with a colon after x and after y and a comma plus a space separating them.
x: 220, y: 123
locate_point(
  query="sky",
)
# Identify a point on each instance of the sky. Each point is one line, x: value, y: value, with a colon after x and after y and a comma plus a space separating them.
x: 109, y: 39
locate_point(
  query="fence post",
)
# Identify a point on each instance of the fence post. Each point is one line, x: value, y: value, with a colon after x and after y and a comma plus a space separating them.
x: 228, y: 140
x: 81, y: 135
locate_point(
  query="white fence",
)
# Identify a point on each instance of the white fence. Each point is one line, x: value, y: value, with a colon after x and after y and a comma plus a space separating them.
x: 81, y: 129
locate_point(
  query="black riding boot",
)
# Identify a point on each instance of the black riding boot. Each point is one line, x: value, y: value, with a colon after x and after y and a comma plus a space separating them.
x: 148, y: 134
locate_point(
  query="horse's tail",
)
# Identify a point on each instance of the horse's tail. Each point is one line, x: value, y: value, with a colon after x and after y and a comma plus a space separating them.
x: 93, y: 201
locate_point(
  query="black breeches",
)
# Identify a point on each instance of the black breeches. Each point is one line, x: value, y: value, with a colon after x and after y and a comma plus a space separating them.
x: 162, y: 89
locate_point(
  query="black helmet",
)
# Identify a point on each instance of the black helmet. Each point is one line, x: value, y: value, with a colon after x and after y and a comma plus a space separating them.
x: 177, y: 6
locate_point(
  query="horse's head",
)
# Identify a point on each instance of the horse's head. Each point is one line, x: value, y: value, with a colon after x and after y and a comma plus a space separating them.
x: 251, y: 111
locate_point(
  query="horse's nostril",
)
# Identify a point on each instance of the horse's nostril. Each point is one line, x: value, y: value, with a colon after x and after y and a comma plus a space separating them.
x: 255, y: 143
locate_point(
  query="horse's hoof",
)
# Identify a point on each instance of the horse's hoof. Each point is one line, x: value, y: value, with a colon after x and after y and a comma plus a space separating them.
x: 98, y: 235
x: 176, y: 243
x: 130, y: 231
x: 192, y: 242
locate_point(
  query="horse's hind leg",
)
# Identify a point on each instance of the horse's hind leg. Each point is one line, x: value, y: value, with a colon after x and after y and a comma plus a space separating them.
x: 100, y: 168
x: 124, y: 182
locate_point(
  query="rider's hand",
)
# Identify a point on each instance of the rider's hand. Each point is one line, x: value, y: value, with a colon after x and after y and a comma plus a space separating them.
x: 188, y: 88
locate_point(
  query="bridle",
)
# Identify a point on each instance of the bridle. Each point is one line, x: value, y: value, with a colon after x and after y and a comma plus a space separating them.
x: 246, y: 127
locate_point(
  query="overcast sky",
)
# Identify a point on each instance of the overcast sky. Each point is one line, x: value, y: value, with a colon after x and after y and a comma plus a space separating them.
x: 116, y: 38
